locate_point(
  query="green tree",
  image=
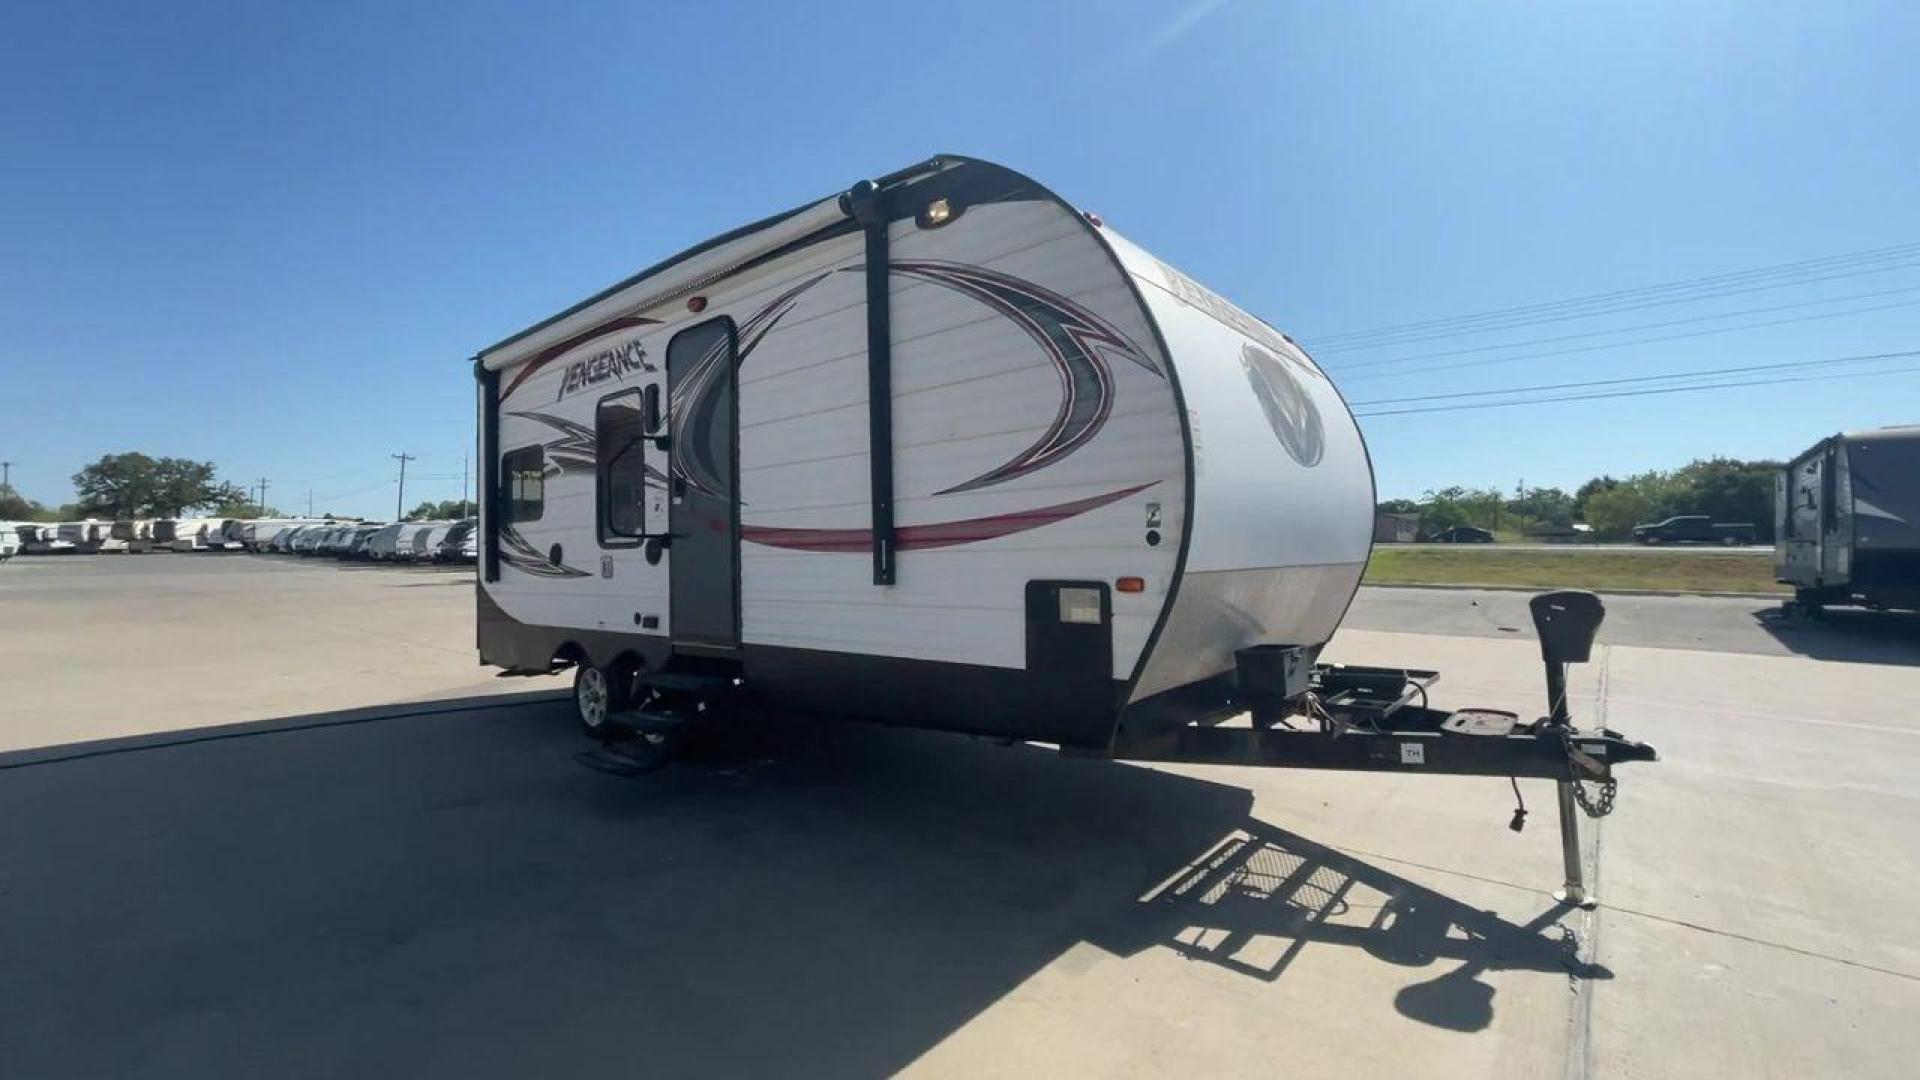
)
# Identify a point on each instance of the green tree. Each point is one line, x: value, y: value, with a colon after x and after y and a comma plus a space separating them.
x: 135, y: 485
x: 237, y: 502
x: 1541, y: 506
x: 118, y: 485
x: 17, y: 507
x: 445, y: 510
x: 1587, y: 491
x: 1728, y: 489
x: 1456, y: 505
x: 1614, y: 511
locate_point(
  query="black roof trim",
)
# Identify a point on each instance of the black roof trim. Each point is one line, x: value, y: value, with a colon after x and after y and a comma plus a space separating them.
x: 697, y: 249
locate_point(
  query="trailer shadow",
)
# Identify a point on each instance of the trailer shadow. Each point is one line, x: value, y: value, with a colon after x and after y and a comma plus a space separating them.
x: 1263, y: 894
x: 440, y: 889
x: 1851, y: 635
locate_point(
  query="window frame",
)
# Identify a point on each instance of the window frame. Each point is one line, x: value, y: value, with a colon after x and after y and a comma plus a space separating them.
x: 507, y: 473
x: 602, y: 491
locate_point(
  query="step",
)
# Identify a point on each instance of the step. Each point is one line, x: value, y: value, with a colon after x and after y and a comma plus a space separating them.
x: 677, y: 680
x: 648, y: 721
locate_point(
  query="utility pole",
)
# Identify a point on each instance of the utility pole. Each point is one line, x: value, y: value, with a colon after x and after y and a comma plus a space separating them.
x: 309, y: 502
x: 463, y: 485
x: 6, y: 476
x: 262, y: 504
x: 400, y: 500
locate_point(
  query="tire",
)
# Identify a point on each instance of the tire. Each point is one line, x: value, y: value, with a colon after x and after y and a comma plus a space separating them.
x: 596, y: 696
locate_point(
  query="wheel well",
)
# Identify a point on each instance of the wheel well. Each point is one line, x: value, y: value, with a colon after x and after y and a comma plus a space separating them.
x: 568, y: 655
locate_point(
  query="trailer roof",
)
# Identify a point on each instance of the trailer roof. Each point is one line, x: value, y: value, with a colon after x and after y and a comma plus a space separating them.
x: 1897, y: 431
x: 688, y: 269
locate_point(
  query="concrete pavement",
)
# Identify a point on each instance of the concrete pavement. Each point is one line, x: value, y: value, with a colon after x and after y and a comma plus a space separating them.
x: 445, y: 892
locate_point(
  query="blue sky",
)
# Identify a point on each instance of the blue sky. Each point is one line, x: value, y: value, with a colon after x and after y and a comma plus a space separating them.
x: 271, y: 235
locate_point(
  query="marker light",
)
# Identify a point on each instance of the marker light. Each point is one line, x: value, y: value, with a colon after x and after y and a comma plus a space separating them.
x: 696, y: 304
x: 1131, y: 584
x: 937, y: 213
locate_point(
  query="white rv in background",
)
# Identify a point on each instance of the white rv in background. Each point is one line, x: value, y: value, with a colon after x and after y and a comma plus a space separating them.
x: 89, y: 536
x: 257, y: 534
x: 383, y: 544
x: 134, y: 535
x: 197, y: 534
x: 42, y: 538
x: 417, y: 544
x: 940, y: 450
x: 9, y: 541
x: 460, y: 543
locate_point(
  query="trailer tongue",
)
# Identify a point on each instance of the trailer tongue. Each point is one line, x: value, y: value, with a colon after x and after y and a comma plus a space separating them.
x: 1301, y: 715
x: 1336, y: 716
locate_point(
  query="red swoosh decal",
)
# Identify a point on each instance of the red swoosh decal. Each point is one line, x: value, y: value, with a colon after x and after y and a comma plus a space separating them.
x: 552, y: 352
x: 938, y: 535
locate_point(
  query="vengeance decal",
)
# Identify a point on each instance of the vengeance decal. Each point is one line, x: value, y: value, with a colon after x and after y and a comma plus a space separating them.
x: 696, y: 395
x: 1077, y: 341
x: 554, y: 352
x: 518, y: 553
x: 573, y: 451
x: 624, y: 359
x: 938, y: 535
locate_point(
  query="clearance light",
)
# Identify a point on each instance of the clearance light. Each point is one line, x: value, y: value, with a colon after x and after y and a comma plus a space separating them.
x: 696, y: 304
x: 1092, y: 218
x: 937, y: 213
x: 1131, y: 584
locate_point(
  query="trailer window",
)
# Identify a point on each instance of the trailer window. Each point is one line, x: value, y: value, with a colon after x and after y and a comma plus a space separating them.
x: 620, y: 428
x: 526, y: 482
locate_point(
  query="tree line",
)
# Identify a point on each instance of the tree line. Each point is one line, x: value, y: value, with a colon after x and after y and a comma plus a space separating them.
x: 1725, y: 489
x: 135, y: 485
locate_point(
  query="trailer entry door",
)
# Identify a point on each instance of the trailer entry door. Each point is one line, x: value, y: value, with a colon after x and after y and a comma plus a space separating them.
x: 704, y: 515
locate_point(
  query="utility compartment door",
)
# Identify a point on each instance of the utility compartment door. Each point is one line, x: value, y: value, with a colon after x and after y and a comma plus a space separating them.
x: 704, y: 507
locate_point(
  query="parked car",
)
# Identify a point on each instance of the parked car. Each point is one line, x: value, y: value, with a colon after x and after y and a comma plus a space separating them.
x: 1695, y: 529
x: 1461, y: 534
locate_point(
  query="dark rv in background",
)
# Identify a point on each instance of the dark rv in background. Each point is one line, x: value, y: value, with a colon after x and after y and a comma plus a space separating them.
x: 1847, y: 521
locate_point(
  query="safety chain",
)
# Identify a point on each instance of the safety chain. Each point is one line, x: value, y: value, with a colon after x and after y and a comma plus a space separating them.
x: 1596, y: 807
x: 1600, y: 807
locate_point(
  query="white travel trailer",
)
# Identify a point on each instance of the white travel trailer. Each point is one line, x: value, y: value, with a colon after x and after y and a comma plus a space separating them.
x: 41, y: 538
x: 383, y: 544
x: 942, y: 451
x: 257, y: 534
x: 9, y: 541
x: 417, y: 543
x: 134, y: 535
x: 1847, y: 521
x: 198, y: 534
x: 89, y: 536
x: 460, y: 543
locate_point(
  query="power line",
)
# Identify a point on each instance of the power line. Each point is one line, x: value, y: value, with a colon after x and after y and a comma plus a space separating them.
x: 1641, y: 378
x: 1640, y: 393
x: 1770, y: 308
x: 1689, y: 290
x: 1635, y: 341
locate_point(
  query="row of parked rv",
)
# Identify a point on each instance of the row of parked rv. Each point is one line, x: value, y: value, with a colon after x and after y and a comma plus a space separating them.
x: 403, y: 541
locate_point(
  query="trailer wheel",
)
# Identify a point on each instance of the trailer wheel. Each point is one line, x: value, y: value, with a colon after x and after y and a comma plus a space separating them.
x: 596, y: 697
